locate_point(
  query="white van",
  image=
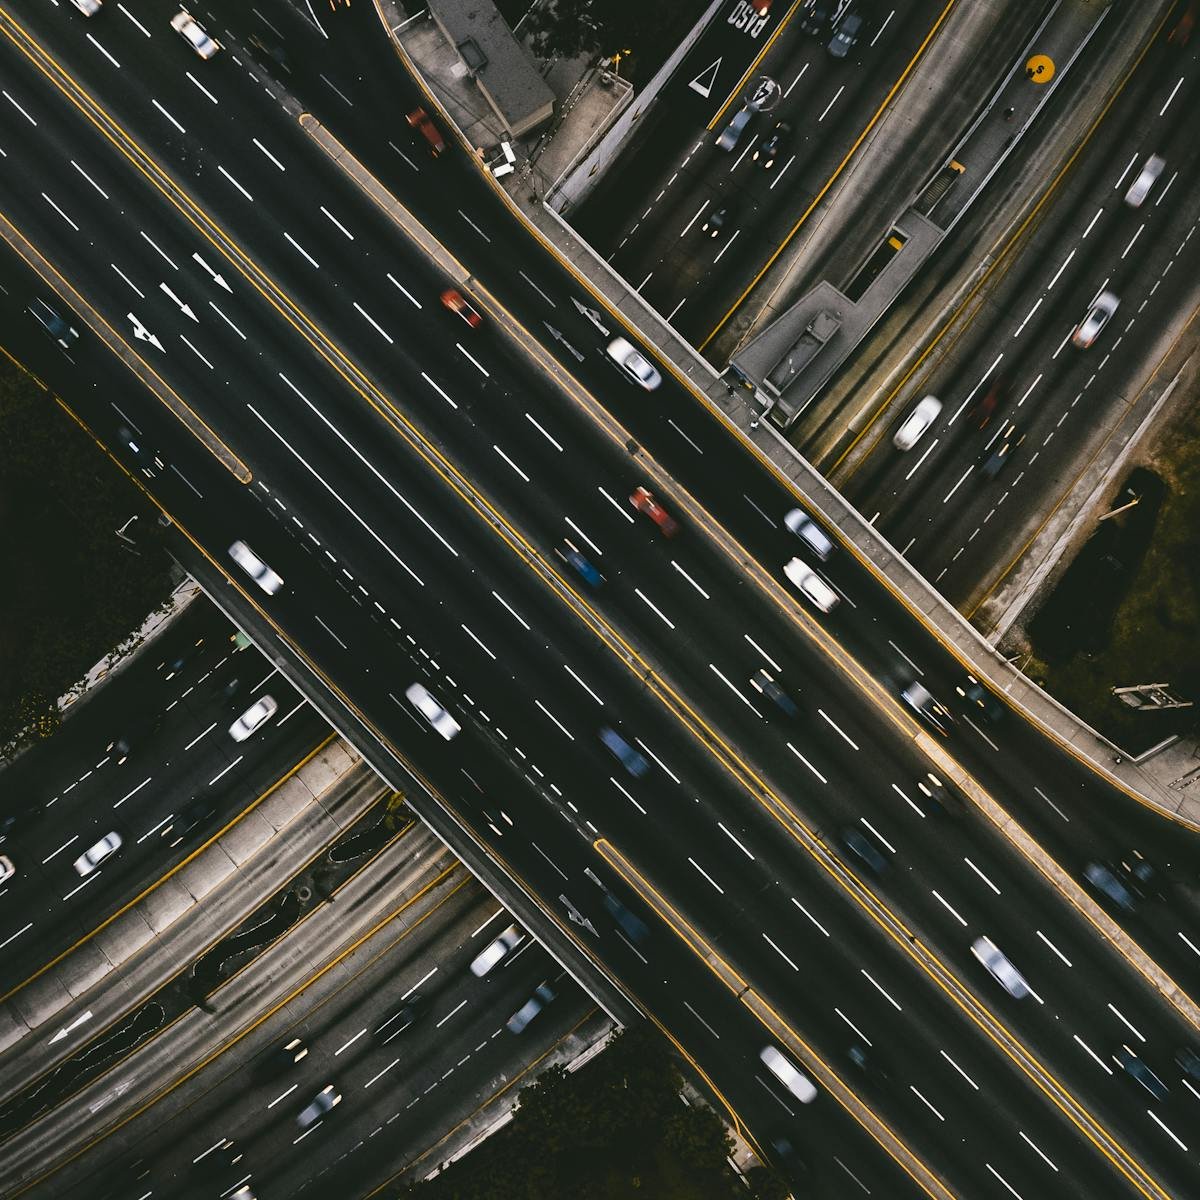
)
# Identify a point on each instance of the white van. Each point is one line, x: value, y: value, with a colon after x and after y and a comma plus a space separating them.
x: 788, y: 1074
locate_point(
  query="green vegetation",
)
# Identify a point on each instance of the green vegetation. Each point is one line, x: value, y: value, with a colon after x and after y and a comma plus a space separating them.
x: 75, y: 590
x: 614, y: 1130
x: 1154, y: 635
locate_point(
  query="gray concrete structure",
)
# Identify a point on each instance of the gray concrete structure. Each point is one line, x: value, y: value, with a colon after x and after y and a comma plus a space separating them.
x: 499, y: 65
x: 939, y: 205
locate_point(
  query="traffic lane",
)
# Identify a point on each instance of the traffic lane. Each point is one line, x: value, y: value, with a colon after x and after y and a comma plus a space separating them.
x: 1091, y: 239
x: 176, y: 811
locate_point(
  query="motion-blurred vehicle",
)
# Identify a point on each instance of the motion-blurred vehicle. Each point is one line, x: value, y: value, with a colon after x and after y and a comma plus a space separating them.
x: 863, y: 847
x: 999, y: 967
x: 788, y: 1074
x: 985, y: 705
x: 736, y: 127
x: 764, y: 682
x: 496, y: 951
x: 194, y: 34
x: 543, y: 994
x: 419, y: 120
x: 635, y: 365
x: 809, y: 532
x: 92, y: 857
x: 998, y: 451
x: 1138, y: 1071
x: 631, y: 759
x: 321, y: 1105
x: 643, y: 500
x: 935, y: 714
x: 256, y: 716
x: 454, y: 301
x: 811, y: 586
x: 1147, y: 177
x: 719, y: 221
x: 63, y: 333
x: 580, y: 564
x: 817, y: 17
x: 845, y: 35
x: 913, y: 427
x: 89, y: 8
x: 1101, y: 312
x: 1105, y: 881
x: 771, y: 148
x: 255, y: 568
x: 7, y: 870
x: 422, y: 699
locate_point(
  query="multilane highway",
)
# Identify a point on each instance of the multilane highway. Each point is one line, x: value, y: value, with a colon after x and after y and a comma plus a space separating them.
x: 290, y: 455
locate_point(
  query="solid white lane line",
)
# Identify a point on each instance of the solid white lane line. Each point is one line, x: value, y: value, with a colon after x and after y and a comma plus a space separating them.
x: 878, y: 834
x: 853, y: 1026
x: 296, y: 245
x: 806, y: 762
x: 583, y: 685
x: 1004, y: 1181
x: 235, y: 183
x: 1094, y: 1056
x: 336, y: 222
x: 268, y: 154
x: 919, y: 811
x: 929, y: 1106
x: 690, y: 580
x: 628, y: 796
x: 810, y: 916
x: 379, y: 329
x: 733, y: 688
x: 347, y: 1045
x: 512, y: 611
x: 510, y: 462
x: 1121, y: 1017
x: 741, y: 847
x: 451, y: 1013
x: 1151, y: 1114
x: 949, y: 907
x: 702, y: 1020
x: 981, y: 875
x: 1051, y: 803
x: 541, y: 429
x: 653, y: 607
x: 555, y: 719
x: 706, y: 875
x: 833, y: 725
x: 584, y: 536
x: 1053, y: 947
x: 621, y: 508
x: 781, y: 954
x: 762, y: 652
x: 959, y: 1069
x: 879, y: 988
x: 658, y: 760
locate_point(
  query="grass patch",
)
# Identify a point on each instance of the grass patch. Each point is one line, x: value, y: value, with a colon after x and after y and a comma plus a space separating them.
x: 1154, y: 635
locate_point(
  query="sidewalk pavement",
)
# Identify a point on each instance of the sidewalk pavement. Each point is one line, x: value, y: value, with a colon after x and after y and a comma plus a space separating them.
x: 1165, y: 780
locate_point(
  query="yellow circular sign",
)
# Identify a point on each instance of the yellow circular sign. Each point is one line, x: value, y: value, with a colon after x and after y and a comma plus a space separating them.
x: 1040, y: 68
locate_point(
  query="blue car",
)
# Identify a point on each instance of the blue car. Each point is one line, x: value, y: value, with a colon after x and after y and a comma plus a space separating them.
x: 581, y: 565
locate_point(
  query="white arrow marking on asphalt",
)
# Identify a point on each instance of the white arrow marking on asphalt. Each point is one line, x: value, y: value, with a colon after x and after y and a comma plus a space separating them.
x: 183, y: 308
x: 575, y: 915
x: 219, y: 280
x: 62, y: 1033
x: 705, y: 88
x: 142, y: 333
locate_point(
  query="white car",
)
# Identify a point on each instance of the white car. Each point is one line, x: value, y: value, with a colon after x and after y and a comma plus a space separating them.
x: 811, y: 585
x: 257, y: 714
x: 917, y: 421
x: 89, y: 860
x: 7, y: 870
x: 788, y: 1074
x: 496, y: 950
x: 194, y: 34
x: 1001, y: 970
x: 1099, y: 315
x: 422, y: 700
x: 633, y: 364
x: 809, y: 532
x: 1139, y: 189
x: 89, y: 8
x: 255, y: 568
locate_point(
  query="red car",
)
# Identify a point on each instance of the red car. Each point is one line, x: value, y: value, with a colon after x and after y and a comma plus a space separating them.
x: 456, y: 302
x: 644, y: 502
x: 419, y: 120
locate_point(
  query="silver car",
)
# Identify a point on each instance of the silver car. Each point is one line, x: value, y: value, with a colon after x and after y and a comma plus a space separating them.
x: 421, y: 698
x: 259, y: 713
x: 542, y: 995
x: 1000, y: 969
x: 91, y: 858
x: 1102, y: 311
x: 1139, y: 189
x: 811, y: 586
x: 496, y: 950
x: 635, y: 365
x: 255, y: 568
x: 89, y: 8
x: 194, y: 34
x: 809, y: 532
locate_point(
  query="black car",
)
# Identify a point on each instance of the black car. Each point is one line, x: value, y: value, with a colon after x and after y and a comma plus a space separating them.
x: 281, y: 1059
x: 817, y: 17
x: 864, y: 849
x: 57, y: 327
x: 196, y: 815
x: 763, y: 681
x: 984, y: 704
x: 997, y: 453
x: 719, y: 221
x: 401, y: 1019
x: 772, y: 146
